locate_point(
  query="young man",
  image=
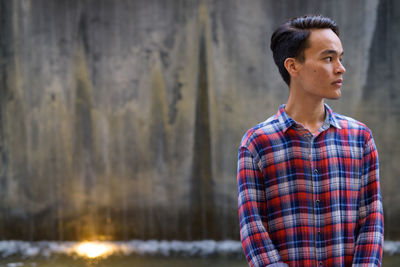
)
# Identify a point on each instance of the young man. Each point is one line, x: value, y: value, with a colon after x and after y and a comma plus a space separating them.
x: 308, y: 181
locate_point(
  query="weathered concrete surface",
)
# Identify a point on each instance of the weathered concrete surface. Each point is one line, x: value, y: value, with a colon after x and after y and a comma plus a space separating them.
x: 122, y: 119
x: 379, y: 107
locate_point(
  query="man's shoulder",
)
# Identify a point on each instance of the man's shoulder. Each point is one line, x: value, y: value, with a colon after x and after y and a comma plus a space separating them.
x: 263, y: 129
x: 349, y: 123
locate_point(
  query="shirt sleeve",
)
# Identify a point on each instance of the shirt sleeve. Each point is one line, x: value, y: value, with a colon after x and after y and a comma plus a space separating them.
x: 369, y: 242
x: 256, y: 242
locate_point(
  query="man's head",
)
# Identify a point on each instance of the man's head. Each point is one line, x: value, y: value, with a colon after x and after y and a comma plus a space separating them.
x: 291, y: 39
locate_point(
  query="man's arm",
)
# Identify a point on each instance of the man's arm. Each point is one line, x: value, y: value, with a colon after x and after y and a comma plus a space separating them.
x: 369, y: 243
x: 257, y: 245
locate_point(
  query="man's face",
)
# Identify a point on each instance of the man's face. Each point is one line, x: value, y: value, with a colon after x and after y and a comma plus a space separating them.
x: 320, y: 75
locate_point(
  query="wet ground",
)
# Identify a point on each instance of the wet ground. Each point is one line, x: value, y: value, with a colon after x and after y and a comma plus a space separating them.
x: 141, y: 261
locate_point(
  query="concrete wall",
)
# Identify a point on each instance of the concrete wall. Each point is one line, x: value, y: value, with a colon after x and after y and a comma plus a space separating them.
x: 122, y: 119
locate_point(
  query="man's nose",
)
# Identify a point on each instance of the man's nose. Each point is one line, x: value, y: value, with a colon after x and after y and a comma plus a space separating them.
x: 340, y: 68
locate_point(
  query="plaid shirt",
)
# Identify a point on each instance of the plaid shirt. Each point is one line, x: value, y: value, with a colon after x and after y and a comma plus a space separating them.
x: 310, y: 200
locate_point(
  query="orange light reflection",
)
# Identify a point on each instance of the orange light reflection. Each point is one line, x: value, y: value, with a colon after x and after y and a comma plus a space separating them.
x: 94, y: 249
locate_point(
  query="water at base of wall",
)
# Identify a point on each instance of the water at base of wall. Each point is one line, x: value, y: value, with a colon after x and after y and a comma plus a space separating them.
x: 142, y: 254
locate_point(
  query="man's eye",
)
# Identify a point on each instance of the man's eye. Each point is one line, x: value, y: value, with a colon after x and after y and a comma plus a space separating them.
x: 328, y: 59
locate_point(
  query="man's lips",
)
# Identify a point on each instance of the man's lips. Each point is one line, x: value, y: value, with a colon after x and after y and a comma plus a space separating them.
x: 338, y: 82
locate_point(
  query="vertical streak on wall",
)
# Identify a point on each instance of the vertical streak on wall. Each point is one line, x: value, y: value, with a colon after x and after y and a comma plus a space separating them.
x: 5, y: 41
x: 84, y: 137
x: 202, y: 199
x: 159, y: 136
x: 370, y: 24
x: 19, y: 191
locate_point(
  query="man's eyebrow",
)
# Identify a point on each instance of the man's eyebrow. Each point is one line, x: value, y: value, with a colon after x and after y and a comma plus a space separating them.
x: 331, y: 51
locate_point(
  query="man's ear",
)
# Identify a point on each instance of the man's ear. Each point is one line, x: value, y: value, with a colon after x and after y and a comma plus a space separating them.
x: 292, y: 66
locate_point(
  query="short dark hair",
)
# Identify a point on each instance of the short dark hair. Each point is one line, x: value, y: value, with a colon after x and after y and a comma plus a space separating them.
x: 290, y: 39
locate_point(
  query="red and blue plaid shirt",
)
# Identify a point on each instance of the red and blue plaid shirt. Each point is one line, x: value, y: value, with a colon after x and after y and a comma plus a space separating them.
x: 310, y: 200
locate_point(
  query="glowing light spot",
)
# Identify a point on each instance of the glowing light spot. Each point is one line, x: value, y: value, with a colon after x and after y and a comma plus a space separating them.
x: 95, y: 249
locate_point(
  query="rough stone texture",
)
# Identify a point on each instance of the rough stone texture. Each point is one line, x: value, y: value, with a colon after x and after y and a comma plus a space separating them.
x: 122, y: 119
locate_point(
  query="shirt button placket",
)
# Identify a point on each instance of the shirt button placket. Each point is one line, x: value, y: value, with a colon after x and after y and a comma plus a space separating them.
x: 317, y: 208
x: 314, y: 173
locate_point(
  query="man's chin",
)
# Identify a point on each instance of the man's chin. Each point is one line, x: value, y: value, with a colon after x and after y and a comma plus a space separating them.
x: 336, y: 96
x: 333, y: 98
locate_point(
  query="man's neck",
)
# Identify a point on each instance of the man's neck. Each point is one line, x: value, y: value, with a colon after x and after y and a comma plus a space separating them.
x: 309, y: 111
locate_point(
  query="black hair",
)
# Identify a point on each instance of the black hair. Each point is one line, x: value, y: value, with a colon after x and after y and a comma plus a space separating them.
x: 290, y: 39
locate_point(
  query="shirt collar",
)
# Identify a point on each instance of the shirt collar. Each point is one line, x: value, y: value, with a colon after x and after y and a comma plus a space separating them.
x: 332, y: 117
x: 285, y: 121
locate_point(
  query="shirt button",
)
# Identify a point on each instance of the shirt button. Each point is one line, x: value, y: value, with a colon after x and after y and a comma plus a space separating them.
x: 320, y: 263
x: 315, y: 171
x: 317, y: 201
